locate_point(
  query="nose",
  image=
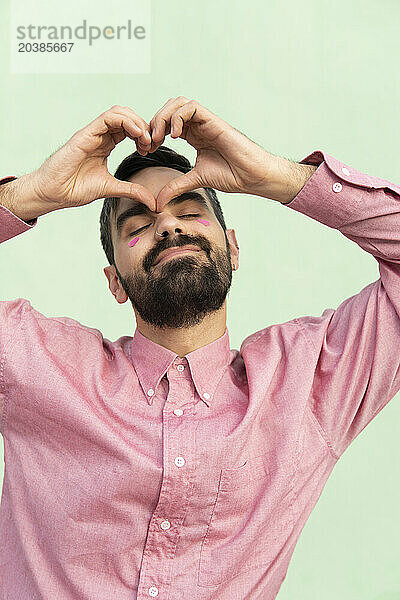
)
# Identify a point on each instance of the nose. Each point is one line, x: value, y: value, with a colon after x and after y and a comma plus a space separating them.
x: 167, y: 224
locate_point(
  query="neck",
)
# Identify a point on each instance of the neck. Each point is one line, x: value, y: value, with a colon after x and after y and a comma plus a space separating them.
x: 182, y: 341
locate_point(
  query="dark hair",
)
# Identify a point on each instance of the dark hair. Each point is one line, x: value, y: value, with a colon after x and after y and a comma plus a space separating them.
x: 162, y: 157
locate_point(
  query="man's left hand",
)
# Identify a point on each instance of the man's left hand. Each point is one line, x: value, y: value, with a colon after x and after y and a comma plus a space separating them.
x: 227, y: 160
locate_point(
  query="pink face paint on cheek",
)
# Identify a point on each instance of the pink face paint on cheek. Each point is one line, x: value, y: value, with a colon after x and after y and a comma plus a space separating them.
x: 203, y: 221
x: 134, y: 241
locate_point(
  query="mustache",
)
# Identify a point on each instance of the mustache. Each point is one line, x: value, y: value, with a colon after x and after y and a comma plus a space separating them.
x: 181, y: 240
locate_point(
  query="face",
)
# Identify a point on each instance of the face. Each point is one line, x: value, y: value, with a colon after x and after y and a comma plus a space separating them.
x: 178, y: 267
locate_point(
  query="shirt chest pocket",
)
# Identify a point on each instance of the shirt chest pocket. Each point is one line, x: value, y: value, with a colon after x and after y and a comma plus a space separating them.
x: 251, y: 520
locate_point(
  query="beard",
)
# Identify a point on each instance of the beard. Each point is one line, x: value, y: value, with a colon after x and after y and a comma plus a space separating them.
x: 180, y: 292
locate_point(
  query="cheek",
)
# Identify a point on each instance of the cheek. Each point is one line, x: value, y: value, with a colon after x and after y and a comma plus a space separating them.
x: 203, y: 222
x: 134, y: 241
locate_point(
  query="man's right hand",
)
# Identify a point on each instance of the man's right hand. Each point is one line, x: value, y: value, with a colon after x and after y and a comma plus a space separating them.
x: 77, y: 173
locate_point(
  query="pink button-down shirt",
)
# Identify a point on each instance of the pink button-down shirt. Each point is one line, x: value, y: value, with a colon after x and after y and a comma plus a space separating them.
x: 131, y: 473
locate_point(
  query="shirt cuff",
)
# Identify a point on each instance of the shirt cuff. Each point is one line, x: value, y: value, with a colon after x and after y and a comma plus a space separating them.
x: 335, y: 193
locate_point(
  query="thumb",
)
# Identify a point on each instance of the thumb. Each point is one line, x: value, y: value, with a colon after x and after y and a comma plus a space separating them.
x: 184, y: 183
x: 126, y: 189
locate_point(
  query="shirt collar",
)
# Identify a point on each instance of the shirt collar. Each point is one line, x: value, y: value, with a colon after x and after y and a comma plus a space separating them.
x: 207, y: 364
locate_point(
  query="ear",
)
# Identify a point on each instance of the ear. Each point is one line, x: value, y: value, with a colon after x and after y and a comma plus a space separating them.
x: 233, y: 247
x: 114, y: 284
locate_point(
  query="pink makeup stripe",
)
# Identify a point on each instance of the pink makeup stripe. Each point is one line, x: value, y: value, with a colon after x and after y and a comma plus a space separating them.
x: 134, y: 241
x: 203, y: 221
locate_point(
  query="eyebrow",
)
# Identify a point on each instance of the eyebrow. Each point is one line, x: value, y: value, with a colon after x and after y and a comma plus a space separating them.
x: 141, y: 209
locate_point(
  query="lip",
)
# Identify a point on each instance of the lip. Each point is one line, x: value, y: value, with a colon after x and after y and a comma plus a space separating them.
x: 176, y: 250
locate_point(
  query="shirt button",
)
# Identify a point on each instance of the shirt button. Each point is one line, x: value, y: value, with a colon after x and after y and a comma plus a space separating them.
x: 179, y: 461
x: 180, y: 368
x: 165, y: 525
x: 153, y: 591
x: 150, y: 392
x: 337, y: 187
x: 178, y: 412
x: 345, y: 171
x: 206, y: 395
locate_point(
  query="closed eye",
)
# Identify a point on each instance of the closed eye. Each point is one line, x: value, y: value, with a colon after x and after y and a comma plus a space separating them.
x: 144, y: 226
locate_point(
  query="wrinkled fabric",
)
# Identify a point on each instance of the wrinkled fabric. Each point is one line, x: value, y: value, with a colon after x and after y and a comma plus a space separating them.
x: 132, y: 473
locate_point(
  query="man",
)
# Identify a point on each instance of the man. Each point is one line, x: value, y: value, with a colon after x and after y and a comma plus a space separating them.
x: 165, y: 464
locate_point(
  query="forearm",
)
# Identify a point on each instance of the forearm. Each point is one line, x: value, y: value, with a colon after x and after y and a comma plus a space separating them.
x: 286, y: 180
x: 296, y: 180
x: 19, y: 197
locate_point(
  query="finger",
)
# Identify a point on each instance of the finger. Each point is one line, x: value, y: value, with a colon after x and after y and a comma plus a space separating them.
x: 184, y: 183
x: 127, y: 111
x: 121, y: 126
x: 99, y: 127
x: 177, y: 123
x: 167, y: 108
x: 117, y: 120
x: 160, y: 123
x: 118, y: 137
x: 181, y: 117
x: 160, y: 131
x: 153, y: 147
x: 125, y: 189
x: 145, y: 139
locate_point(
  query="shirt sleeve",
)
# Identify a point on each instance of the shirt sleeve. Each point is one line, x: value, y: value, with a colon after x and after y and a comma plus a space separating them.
x: 11, y: 311
x: 11, y: 317
x: 355, y: 349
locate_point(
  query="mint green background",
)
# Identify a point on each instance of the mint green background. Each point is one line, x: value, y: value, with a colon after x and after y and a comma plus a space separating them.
x: 294, y: 77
